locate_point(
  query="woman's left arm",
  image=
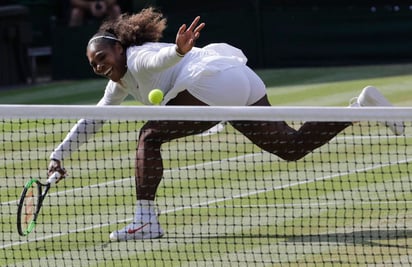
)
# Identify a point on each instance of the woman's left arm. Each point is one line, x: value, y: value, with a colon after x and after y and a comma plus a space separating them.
x: 170, y: 55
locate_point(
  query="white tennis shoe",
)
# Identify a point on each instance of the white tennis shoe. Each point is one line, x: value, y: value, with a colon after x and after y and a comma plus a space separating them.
x: 139, y: 230
x: 214, y: 130
x: 370, y: 96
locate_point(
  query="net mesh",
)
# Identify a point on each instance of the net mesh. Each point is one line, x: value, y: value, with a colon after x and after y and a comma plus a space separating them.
x: 222, y: 200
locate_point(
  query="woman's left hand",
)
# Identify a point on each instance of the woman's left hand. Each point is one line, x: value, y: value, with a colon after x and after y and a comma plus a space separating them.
x: 186, y: 37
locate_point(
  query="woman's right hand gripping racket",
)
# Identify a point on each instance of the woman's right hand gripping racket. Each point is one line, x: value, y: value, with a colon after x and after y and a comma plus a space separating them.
x: 31, y: 200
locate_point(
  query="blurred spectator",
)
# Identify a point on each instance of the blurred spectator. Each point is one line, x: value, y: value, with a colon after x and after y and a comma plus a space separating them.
x: 95, y: 9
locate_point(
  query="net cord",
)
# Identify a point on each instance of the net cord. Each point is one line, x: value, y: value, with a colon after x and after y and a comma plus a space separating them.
x: 205, y: 113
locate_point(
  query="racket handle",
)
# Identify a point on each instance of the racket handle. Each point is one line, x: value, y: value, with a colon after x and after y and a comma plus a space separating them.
x: 53, y: 178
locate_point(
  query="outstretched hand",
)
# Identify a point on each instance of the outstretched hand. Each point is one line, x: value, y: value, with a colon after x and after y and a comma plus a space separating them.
x: 186, y: 37
x: 55, y: 166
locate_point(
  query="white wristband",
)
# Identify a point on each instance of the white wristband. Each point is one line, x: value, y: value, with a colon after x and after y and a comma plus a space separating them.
x: 179, y: 54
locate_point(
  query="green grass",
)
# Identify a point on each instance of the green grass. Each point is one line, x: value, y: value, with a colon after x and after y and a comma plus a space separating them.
x: 224, y: 202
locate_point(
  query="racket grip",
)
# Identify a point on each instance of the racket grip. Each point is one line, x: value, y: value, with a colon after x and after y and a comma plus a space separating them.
x: 53, y: 178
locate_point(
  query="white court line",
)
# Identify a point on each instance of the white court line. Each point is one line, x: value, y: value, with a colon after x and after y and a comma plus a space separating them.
x: 206, y: 203
x: 317, y: 204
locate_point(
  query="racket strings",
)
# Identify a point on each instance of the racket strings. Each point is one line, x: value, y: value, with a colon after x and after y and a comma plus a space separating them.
x: 29, y: 205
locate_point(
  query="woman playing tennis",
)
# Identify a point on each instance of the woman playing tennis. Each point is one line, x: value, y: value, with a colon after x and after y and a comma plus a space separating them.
x: 127, y: 51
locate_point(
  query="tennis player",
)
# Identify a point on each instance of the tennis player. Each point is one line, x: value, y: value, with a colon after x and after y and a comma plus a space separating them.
x: 127, y: 51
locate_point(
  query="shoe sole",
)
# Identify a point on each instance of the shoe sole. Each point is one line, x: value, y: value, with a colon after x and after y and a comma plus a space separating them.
x: 132, y: 237
x: 135, y: 236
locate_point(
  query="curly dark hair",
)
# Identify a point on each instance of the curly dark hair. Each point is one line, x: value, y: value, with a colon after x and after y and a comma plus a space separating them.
x: 146, y: 26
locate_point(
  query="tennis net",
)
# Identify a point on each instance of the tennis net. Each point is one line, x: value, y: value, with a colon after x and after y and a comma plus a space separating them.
x: 223, y: 201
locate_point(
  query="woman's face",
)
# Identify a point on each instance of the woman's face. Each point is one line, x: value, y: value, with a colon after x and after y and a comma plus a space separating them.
x: 107, y: 60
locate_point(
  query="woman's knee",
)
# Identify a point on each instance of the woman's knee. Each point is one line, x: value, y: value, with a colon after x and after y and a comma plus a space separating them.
x: 152, y: 136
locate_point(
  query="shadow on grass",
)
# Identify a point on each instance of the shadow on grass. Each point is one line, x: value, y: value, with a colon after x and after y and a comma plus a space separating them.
x: 373, y: 238
x: 380, y: 238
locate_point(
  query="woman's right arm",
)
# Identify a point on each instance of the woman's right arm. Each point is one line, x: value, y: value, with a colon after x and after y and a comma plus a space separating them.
x: 84, y: 129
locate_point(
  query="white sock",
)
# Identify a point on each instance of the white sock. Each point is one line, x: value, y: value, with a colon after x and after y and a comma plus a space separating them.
x: 145, y: 209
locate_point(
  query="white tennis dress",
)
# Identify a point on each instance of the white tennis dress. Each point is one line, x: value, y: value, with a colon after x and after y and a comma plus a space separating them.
x: 215, y: 74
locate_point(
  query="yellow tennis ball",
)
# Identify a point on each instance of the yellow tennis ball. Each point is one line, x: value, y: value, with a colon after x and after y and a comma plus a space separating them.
x: 155, y: 96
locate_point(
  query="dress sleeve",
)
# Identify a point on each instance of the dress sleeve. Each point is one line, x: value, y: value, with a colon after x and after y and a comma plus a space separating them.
x: 113, y: 95
x: 145, y: 57
x: 79, y: 134
x: 85, y: 129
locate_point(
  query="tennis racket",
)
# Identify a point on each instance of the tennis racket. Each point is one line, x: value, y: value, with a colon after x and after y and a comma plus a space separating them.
x: 30, y: 202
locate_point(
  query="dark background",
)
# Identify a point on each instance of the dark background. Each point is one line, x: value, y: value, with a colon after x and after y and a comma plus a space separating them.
x: 272, y: 33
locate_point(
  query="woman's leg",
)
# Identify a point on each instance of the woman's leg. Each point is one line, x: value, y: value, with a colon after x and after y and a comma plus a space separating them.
x: 279, y: 138
x: 149, y: 169
x: 149, y: 166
